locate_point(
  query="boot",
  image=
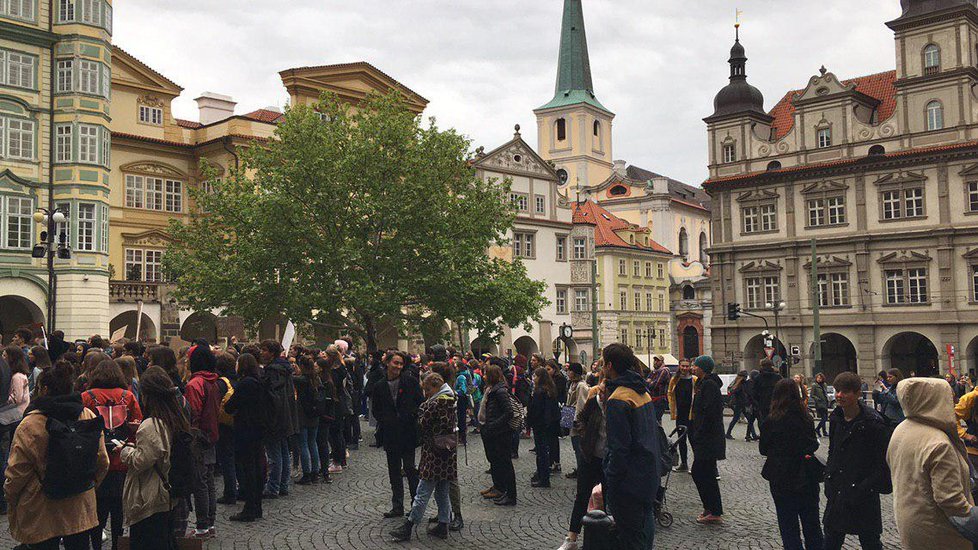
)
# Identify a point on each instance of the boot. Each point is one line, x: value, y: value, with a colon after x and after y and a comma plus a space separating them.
x: 306, y: 479
x: 404, y: 532
x: 440, y: 531
x: 505, y: 500
x: 457, y: 523
x: 394, y: 513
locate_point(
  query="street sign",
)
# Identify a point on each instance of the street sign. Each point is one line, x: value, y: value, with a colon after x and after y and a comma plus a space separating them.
x: 795, y: 351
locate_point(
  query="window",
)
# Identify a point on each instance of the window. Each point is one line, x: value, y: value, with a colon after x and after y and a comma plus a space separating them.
x: 17, y: 234
x: 63, y: 143
x: 582, y: 302
x: 65, y: 68
x: 523, y: 245
x: 689, y: 293
x: 662, y: 337
x: 624, y: 336
x: 762, y: 290
x: 641, y: 337
x: 760, y: 218
x: 623, y: 300
x: 86, y: 227
x: 683, y: 243
x: 540, y: 206
x: 597, y: 129
x: 88, y: 144
x: 561, y: 129
x: 974, y: 282
x: 935, y: 116
x: 622, y: 269
x: 648, y: 301
x: 618, y: 191
x: 154, y: 266
x: 637, y: 304
x: 580, y: 249
x: 90, y: 12
x: 704, y: 245
x: 19, y: 9
x: 520, y: 202
x: 17, y: 138
x: 561, y: 249
x: 973, y: 196
x: 824, y: 137
x: 914, y: 202
x: 906, y: 286
x: 636, y: 269
x: 66, y: 11
x: 648, y: 270
x: 88, y: 72
x: 174, y: 196
x: 932, y: 59
x: 662, y: 302
x: 826, y: 211
x: 659, y: 267
x: 729, y: 153
x: 151, y: 115
x: 561, y: 301
x: 891, y: 205
x: 17, y: 69
x: 154, y: 193
x: 134, y: 264
x: 833, y: 289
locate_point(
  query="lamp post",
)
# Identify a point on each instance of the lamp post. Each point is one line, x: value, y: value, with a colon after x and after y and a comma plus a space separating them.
x: 776, y: 308
x: 51, y: 245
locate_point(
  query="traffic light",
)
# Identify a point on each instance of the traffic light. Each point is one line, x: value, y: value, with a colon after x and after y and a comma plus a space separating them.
x: 733, y: 312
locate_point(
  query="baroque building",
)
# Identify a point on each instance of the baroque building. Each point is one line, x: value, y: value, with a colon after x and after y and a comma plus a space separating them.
x: 873, y: 182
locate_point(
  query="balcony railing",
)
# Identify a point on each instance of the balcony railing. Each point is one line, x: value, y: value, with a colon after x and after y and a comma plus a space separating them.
x: 131, y: 291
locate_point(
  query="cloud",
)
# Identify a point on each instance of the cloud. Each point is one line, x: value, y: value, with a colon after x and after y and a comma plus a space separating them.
x: 486, y: 65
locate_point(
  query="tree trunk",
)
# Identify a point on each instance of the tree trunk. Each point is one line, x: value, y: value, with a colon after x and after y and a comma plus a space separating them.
x: 370, y: 330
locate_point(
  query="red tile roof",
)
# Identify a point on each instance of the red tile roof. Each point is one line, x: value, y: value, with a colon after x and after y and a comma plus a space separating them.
x: 188, y: 124
x: 878, y: 86
x: 607, y: 225
x: 264, y: 115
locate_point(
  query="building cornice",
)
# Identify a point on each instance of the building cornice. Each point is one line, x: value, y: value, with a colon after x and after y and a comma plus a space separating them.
x: 27, y: 35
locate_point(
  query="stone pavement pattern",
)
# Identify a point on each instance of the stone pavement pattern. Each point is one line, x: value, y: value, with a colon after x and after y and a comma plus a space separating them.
x: 347, y: 514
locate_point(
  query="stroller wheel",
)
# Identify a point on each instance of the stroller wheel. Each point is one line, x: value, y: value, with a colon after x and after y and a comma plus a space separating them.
x: 664, y: 519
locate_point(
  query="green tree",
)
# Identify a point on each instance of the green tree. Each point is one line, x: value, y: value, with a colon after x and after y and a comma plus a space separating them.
x: 350, y: 218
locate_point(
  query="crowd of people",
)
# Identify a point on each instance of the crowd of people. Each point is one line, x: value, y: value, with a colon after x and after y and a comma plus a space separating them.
x: 97, y: 437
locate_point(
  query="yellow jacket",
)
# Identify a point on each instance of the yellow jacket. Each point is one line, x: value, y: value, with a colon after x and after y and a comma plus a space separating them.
x: 963, y: 411
x: 672, y: 397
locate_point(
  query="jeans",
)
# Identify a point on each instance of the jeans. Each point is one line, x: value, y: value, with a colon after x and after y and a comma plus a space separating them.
x: 704, y: 474
x: 738, y: 412
x: 795, y: 506
x: 249, y: 459
x: 683, y: 449
x: 225, y: 460
x: 153, y: 533
x: 542, y: 443
x: 462, y: 414
x: 823, y: 417
x: 108, y: 501
x: 205, y: 497
x: 499, y: 455
x: 279, y: 466
x: 309, y: 450
x: 590, y: 472
x: 78, y: 541
x: 834, y: 541
x: 425, y: 488
x: 398, y: 460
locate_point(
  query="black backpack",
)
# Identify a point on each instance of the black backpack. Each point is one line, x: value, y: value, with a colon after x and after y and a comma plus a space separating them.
x: 183, y: 469
x: 72, y: 459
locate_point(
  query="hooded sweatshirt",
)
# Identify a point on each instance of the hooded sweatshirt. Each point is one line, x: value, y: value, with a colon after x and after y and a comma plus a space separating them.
x: 929, y: 467
x: 632, y: 456
x: 205, y: 401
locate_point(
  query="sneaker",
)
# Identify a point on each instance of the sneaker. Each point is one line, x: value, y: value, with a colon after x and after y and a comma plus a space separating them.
x: 709, y: 519
x: 569, y: 545
x: 730, y: 437
x: 335, y: 468
x: 202, y: 534
x: 682, y: 468
x: 212, y: 531
x: 457, y: 523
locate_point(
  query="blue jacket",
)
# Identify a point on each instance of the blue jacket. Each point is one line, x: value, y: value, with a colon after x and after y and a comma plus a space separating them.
x: 632, y: 460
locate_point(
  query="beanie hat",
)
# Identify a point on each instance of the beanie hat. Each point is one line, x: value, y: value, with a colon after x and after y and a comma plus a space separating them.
x: 342, y: 346
x: 706, y: 363
x: 200, y: 357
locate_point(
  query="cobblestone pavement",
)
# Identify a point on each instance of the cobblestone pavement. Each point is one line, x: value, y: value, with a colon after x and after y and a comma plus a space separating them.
x: 347, y: 513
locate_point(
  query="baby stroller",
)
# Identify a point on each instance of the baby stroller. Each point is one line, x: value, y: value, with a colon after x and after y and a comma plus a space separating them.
x: 670, y: 458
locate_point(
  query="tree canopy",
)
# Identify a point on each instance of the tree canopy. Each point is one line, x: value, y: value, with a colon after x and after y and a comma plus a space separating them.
x: 351, y: 217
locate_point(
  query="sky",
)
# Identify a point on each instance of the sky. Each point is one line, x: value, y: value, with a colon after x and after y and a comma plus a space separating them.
x: 485, y: 65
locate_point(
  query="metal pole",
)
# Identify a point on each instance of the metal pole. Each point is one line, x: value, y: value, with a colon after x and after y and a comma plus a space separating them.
x: 52, y: 278
x: 594, y: 309
x: 816, y: 318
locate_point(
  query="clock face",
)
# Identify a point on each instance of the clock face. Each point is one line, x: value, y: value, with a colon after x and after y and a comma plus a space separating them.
x: 567, y: 332
x: 562, y: 176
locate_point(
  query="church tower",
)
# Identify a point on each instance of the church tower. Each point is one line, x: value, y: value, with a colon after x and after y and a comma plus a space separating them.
x: 574, y: 128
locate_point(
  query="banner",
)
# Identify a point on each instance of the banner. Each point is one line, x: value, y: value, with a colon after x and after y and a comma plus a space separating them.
x: 288, y: 337
x: 950, y: 359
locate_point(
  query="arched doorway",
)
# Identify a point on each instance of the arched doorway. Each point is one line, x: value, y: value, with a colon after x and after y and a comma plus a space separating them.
x: 971, y: 356
x: 526, y: 346
x: 200, y: 324
x: 128, y: 319
x: 565, y: 351
x: 911, y: 352
x: 691, y: 342
x: 482, y: 345
x: 754, y: 352
x: 17, y: 312
x: 838, y: 356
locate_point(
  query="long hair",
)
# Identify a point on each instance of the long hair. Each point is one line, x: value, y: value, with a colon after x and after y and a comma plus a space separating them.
x: 544, y: 382
x: 161, y: 400
x: 107, y: 375
x: 741, y: 376
x: 325, y: 377
x: 308, y: 369
x: 17, y: 360
x: 248, y: 366
x: 785, y: 398
x: 42, y: 359
x: 494, y: 375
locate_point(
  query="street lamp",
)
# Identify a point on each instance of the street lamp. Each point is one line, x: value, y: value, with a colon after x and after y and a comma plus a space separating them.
x: 49, y: 246
x: 776, y: 308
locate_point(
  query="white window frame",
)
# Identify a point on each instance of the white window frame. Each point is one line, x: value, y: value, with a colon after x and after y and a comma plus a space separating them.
x: 932, y: 58
x: 561, y: 301
x: 173, y: 196
x: 17, y: 69
x: 648, y: 302
x: 63, y: 142
x: 87, y: 227
x: 66, y: 76
x: 973, y: 196
x: 561, y: 252
x: 540, y: 204
x: 88, y: 144
x: 133, y: 260
x: 67, y: 11
x: 623, y: 300
x: 895, y: 287
x: 914, y: 202
x: 524, y: 245
x: 729, y: 153
x: 151, y: 115
x: 520, y: 201
x: 24, y: 10
x: 582, y: 300
x: 18, y: 222
x: 648, y: 270
x: 20, y: 132
x: 935, y: 116
x: 88, y: 77
x: 622, y: 268
x: 823, y: 137
x: 580, y: 248
x: 917, y: 285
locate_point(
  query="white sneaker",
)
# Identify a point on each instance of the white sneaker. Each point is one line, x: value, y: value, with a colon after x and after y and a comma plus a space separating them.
x: 335, y: 468
x: 569, y: 545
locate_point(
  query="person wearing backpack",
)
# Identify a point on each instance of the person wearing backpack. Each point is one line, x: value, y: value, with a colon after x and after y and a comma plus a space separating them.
x: 247, y: 405
x: 147, y: 498
x: 109, y: 398
x: 204, y: 399
x: 225, y: 363
x: 497, y: 435
x: 51, y: 490
x: 311, y: 396
x: 279, y: 382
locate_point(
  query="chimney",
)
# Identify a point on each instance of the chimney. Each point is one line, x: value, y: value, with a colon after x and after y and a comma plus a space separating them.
x: 215, y: 107
x: 620, y: 167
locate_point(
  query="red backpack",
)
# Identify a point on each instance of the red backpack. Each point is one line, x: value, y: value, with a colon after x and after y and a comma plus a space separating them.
x: 115, y: 415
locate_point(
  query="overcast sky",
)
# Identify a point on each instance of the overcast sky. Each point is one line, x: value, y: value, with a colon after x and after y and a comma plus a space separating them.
x: 485, y: 65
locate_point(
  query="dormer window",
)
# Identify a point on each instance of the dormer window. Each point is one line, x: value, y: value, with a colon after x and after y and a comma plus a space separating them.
x: 935, y: 116
x: 932, y: 59
x: 824, y: 136
x: 618, y: 191
x: 729, y: 153
x: 561, y: 129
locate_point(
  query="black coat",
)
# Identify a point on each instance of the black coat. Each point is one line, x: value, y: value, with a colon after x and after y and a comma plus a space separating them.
x: 397, y: 421
x: 785, y: 442
x: 543, y: 415
x: 246, y: 406
x: 306, y: 397
x: 707, y: 436
x: 375, y: 375
x: 856, y: 473
x: 279, y: 380
x: 498, y: 413
x: 560, y: 381
x: 762, y: 389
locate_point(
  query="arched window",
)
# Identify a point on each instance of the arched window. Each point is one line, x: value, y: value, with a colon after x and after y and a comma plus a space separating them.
x: 704, y: 244
x: 932, y: 59
x: 561, y: 129
x: 683, y: 243
x: 877, y: 150
x: 774, y: 165
x: 689, y: 293
x: 935, y: 116
x: 618, y: 191
x: 597, y: 128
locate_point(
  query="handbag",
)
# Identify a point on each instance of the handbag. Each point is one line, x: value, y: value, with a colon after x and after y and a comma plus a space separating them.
x: 446, y: 443
x: 567, y: 414
x: 10, y: 414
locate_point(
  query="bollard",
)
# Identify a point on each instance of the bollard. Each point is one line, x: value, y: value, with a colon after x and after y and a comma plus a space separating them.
x: 599, y: 531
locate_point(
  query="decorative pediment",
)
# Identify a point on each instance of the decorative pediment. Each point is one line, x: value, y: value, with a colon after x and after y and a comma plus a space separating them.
x: 904, y: 257
x: 827, y: 85
x: 901, y: 178
x: 824, y: 187
x: 971, y: 254
x: 131, y: 72
x: 152, y: 238
x: 150, y: 101
x: 762, y: 266
x: 970, y: 171
x: 519, y: 158
x: 830, y: 262
x: 152, y: 168
x: 758, y: 195
x: 352, y: 82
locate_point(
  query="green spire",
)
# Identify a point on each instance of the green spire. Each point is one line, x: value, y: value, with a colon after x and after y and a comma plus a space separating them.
x: 574, y: 84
